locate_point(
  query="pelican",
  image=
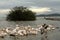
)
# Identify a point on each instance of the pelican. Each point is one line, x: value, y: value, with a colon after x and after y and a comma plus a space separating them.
x: 14, y: 31
x: 33, y: 31
x: 22, y: 32
x: 40, y: 27
x: 10, y: 31
x: 51, y: 27
x: 37, y: 29
x: 3, y: 33
x: 44, y: 28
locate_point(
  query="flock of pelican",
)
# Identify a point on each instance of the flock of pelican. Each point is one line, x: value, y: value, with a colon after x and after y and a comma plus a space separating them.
x: 22, y: 31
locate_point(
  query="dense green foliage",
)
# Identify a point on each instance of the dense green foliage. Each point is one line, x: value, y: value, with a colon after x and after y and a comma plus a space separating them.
x: 20, y: 14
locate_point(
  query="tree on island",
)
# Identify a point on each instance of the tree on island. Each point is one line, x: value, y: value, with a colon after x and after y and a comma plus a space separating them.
x: 21, y: 14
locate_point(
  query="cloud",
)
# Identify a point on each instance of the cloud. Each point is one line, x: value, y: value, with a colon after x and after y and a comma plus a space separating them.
x: 34, y: 9
x: 40, y: 10
x: 4, y: 11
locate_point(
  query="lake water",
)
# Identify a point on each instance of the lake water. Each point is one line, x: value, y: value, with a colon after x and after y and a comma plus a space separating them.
x: 54, y: 35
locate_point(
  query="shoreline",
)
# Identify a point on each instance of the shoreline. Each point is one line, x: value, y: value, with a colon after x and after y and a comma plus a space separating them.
x: 56, y: 19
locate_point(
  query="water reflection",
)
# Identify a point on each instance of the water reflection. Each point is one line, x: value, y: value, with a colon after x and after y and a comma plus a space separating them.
x: 44, y: 37
x: 29, y: 37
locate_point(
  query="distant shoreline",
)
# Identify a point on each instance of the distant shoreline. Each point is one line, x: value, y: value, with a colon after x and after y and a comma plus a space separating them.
x: 56, y: 19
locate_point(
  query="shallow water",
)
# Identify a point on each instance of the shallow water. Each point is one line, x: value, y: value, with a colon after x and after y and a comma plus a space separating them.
x: 54, y: 35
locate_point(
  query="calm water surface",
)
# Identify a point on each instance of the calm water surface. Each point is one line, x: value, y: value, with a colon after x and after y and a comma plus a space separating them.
x: 54, y: 35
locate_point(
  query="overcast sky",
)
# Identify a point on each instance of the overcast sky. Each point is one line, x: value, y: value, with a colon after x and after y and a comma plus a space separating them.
x: 39, y: 6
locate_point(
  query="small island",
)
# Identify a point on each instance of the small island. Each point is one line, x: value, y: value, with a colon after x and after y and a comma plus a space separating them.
x: 21, y: 14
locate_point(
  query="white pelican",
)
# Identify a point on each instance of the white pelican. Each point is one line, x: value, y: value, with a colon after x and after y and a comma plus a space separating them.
x: 51, y: 27
x: 11, y: 32
x: 40, y: 27
x: 37, y: 29
x: 3, y: 33
x: 33, y: 31
x: 22, y: 32
x: 17, y: 25
x: 45, y: 28
x: 8, y: 30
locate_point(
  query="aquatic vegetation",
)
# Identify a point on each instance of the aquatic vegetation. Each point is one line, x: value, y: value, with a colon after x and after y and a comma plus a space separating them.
x: 21, y: 14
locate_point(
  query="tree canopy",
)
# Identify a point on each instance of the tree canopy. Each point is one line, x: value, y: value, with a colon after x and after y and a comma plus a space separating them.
x: 21, y: 14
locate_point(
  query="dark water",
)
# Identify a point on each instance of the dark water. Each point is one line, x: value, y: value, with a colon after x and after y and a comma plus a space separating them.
x: 54, y: 35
